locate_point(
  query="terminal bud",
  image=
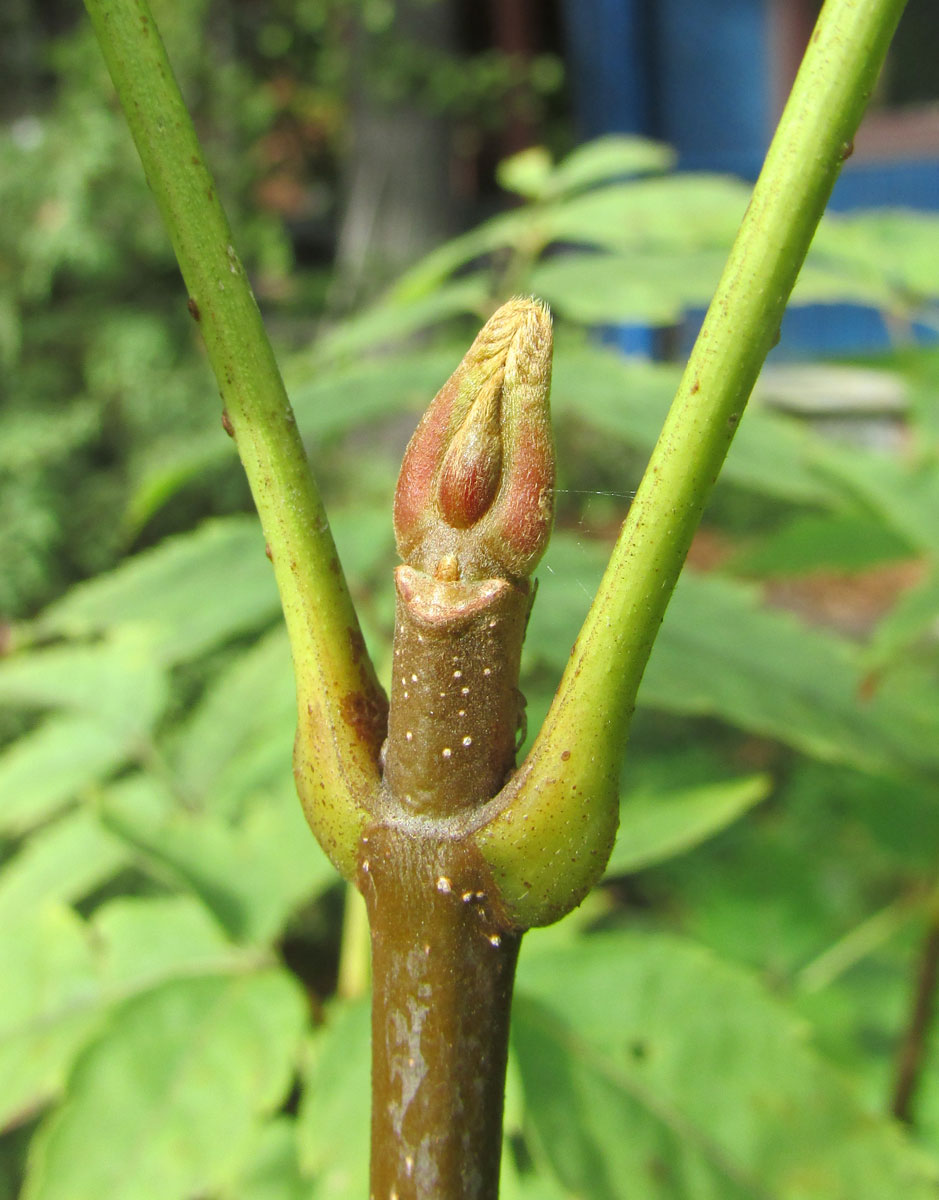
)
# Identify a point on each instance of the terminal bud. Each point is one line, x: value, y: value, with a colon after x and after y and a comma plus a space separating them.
x: 475, y: 498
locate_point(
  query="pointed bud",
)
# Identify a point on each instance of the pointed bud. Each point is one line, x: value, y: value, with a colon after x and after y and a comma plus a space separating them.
x: 469, y: 476
x: 475, y: 497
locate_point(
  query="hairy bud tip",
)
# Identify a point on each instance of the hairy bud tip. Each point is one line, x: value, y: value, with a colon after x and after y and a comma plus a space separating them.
x: 477, y: 482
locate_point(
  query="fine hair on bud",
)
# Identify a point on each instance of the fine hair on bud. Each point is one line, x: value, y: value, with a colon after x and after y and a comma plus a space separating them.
x: 475, y: 497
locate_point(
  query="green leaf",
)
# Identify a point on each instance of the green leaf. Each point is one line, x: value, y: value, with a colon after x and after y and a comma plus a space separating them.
x: 190, y: 593
x: 770, y: 455
x: 722, y: 653
x: 527, y: 173
x: 903, y: 494
x: 47, y: 1007
x: 824, y: 282
x: 520, y: 1176
x: 389, y: 323
x: 514, y: 228
x: 365, y: 539
x: 677, y: 212
x: 333, y: 1125
x: 609, y: 158
x: 623, y: 1066
x: 811, y: 541
x: 610, y: 289
x: 144, y: 941
x: 116, y: 681
x: 62, y: 862
x: 898, y: 246
x: 914, y: 618
x: 333, y: 401
x: 339, y: 385
x: 159, y: 478
x: 50, y: 766
x: 248, y: 711
x: 602, y: 1139
x: 273, y: 1173
x: 658, y: 286
x: 515, y: 1184
x: 61, y: 977
x: 653, y: 827
x: 252, y: 874
x: 12, y: 1154
x: 179, y: 1081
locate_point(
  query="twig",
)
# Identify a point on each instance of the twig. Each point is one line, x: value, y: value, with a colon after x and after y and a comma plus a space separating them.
x: 914, y: 1045
x: 341, y: 706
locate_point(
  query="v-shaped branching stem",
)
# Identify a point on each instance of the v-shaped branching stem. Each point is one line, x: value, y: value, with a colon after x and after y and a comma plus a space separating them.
x: 451, y: 884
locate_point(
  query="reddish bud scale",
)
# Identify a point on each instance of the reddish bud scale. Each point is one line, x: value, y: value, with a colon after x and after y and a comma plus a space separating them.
x: 414, y: 496
x: 477, y: 483
x: 472, y: 465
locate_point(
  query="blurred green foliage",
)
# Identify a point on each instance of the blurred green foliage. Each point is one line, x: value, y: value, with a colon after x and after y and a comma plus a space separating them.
x: 103, y: 381
x: 722, y: 1018
x: 98, y: 362
x: 313, y: 40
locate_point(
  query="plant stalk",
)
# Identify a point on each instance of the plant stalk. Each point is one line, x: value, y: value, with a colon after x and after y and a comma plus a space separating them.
x: 473, y: 513
x: 443, y: 965
x: 443, y: 950
x: 813, y: 140
x: 354, y: 973
x: 574, y: 808
x: 915, y: 1041
x: 341, y: 705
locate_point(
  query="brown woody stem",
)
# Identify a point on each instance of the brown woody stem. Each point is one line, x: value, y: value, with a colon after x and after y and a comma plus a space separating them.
x: 443, y: 964
x: 916, y: 1036
x: 455, y: 704
x: 443, y: 951
x: 473, y: 513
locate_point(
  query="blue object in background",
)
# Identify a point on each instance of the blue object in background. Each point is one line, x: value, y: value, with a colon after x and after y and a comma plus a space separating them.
x: 636, y: 340
x: 903, y: 183
x: 713, y: 83
x: 607, y: 44
x: 816, y: 329
x: 700, y: 75
x: 693, y: 73
x: 608, y: 53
